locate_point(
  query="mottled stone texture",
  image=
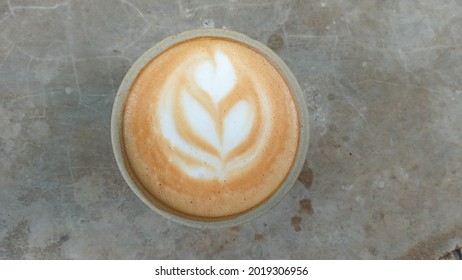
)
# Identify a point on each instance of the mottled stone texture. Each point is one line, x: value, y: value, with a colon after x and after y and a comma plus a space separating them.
x: 383, y: 80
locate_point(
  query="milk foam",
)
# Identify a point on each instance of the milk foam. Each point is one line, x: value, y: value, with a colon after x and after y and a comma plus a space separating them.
x: 210, y: 127
x: 237, y: 125
x: 223, y: 132
x: 217, y: 77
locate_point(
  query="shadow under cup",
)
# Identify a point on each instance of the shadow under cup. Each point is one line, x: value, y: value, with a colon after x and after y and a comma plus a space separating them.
x: 146, y: 195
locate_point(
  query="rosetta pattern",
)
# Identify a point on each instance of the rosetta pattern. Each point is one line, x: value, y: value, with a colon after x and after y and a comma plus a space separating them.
x: 211, y: 114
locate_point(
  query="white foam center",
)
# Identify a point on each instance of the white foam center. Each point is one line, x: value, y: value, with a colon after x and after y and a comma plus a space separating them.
x: 216, y: 78
x: 237, y: 125
x: 200, y: 120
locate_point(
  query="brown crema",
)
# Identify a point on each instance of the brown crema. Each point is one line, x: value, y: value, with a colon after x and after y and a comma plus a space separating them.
x: 235, y: 181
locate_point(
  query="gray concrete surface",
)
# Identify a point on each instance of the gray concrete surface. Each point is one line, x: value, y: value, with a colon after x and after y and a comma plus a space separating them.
x: 384, y: 170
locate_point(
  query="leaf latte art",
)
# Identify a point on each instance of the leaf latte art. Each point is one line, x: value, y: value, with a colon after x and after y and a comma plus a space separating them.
x: 208, y: 118
x: 210, y: 128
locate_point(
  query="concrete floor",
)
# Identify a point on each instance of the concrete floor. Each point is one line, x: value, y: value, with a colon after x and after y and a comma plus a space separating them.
x: 384, y: 170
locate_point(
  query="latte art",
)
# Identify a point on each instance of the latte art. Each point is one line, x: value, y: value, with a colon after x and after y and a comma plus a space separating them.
x: 210, y: 128
x: 206, y: 124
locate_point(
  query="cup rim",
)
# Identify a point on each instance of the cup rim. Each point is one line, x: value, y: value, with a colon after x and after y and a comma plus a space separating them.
x: 124, y: 90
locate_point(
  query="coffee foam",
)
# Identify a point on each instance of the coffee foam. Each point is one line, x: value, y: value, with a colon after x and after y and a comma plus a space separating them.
x: 210, y: 127
x: 200, y: 117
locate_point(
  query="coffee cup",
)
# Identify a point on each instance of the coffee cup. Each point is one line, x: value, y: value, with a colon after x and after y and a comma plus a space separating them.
x: 210, y: 128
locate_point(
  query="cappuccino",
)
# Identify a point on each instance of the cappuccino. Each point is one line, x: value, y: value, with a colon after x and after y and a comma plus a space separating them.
x: 210, y: 128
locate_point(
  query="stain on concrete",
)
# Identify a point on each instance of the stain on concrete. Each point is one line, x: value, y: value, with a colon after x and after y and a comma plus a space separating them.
x: 275, y: 42
x: 306, y: 207
x: 382, y: 216
x: 259, y: 237
x: 235, y: 229
x: 306, y: 176
x: 295, y: 222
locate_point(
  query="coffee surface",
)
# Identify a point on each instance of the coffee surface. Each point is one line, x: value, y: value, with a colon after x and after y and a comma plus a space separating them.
x: 210, y: 127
